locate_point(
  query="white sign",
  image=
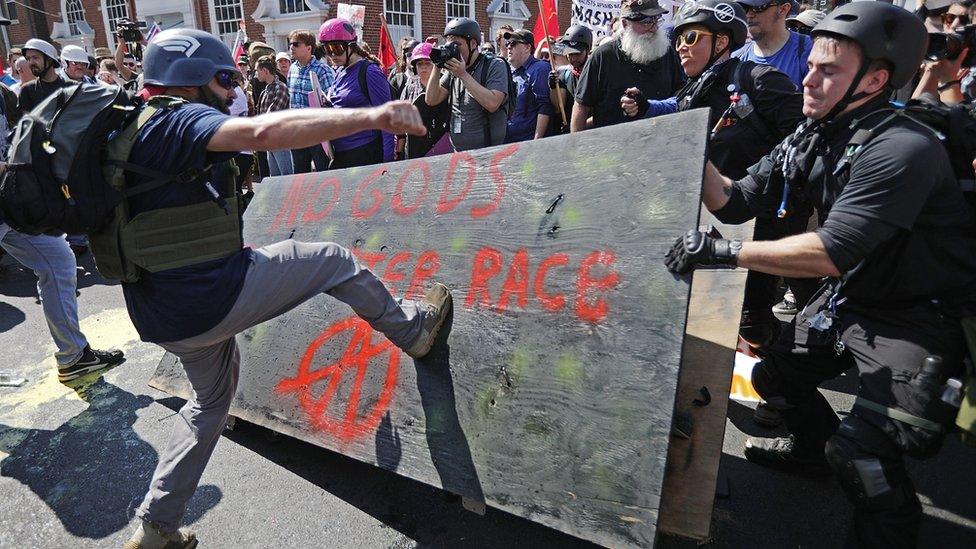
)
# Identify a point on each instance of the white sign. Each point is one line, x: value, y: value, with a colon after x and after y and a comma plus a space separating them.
x: 597, y: 15
x: 355, y: 14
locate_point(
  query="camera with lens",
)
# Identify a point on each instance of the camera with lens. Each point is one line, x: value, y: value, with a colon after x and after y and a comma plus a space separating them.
x: 440, y: 55
x: 949, y: 45
x: 130, y: 30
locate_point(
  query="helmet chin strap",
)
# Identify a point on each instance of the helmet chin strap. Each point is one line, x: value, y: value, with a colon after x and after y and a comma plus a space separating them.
x: 713, y: 55
x: 850, y: 96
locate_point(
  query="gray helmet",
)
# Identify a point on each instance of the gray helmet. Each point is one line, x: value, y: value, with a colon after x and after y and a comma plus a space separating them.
x: 578, y: 35
x: 185, y: 57
x: 464, y: 27
x: 884, y: 32
x: 718, y: 16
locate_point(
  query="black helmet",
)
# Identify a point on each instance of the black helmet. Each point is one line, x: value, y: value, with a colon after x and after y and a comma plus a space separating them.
x: 883, y: 31
x: 185, y: 57
x: 578, y: 35
x: 464, y: 27
x: 718, y: 16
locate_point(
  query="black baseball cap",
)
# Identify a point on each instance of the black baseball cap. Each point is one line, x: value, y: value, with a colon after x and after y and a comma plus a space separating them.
x: 521, y: 35
x: 637, y: 9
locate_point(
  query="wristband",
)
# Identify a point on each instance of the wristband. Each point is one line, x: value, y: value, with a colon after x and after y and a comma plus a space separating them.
x: 949, y: 84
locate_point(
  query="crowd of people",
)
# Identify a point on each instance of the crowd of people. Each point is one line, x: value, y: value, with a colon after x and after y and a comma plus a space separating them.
x: 875, y: 249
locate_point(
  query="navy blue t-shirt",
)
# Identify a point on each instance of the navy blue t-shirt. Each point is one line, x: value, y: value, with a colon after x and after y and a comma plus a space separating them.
x: 180, y: 303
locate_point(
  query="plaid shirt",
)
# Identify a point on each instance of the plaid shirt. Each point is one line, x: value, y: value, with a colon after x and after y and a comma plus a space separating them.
x: 300, y: 83
x: 274, y: 97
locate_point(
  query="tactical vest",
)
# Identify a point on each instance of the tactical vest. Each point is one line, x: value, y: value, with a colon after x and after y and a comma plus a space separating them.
x: 165, y: 238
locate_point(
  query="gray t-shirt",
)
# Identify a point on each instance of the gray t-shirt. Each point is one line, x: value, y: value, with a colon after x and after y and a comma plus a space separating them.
x: 468, y: 117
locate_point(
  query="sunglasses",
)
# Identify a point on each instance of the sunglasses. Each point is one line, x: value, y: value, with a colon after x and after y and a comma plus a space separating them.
x: 953, y: 20
x: 645, y: 19
x: 760, y: 9
x: 510, y: 43
x: 799, y: 29
x: 129, y: 64
x: 296, y: 44
x: 690, y: 38
x: 226, y: 80
x: 335, y: 48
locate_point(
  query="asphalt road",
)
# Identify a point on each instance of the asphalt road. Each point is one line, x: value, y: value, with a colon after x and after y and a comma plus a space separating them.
x: 74, y: 464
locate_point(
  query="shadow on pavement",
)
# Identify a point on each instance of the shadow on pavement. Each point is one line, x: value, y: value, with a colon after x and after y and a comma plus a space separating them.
x: 10, y: 316
x: 93, y: 470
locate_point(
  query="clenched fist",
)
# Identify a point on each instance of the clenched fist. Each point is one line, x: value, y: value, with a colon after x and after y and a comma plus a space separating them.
x: 398, y: 118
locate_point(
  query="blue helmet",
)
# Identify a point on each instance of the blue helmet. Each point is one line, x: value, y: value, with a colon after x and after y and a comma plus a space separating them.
x: 185, y: 57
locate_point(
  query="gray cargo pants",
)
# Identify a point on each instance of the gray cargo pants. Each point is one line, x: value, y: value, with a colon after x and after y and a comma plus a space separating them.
x: 281, y: 276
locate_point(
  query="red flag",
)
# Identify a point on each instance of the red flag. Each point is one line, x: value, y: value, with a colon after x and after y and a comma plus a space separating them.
x: 387, y: 52
x: 547, y: 14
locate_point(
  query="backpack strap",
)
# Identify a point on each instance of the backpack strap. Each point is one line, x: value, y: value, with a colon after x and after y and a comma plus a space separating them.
x: 861, y: 138
x: 160, y: 179
x: 363, y: 85
x: 763, y: 127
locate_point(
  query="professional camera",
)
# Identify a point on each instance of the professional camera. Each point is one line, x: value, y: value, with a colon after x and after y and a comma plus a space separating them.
x: 130, y: 30
x: 439, y: 55
x: 948, y: 45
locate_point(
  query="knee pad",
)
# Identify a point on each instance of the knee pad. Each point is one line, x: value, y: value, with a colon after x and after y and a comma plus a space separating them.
x: 872, y: 478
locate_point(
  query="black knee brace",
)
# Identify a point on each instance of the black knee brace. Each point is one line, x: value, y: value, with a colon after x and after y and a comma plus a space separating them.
x: 870, y: 470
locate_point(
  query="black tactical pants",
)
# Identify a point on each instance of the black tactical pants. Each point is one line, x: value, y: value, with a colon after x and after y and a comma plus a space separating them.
x: 758, y: 322
x: 866, y: 449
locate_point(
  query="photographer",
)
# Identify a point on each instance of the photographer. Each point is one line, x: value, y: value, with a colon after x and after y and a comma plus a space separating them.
x: 948, y: 60
x: 477, y: 87
x: 127, y: 33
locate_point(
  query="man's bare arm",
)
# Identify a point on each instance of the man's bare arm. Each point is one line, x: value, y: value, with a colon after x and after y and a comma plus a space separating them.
x: 800, y: 256
x: 298, y: 128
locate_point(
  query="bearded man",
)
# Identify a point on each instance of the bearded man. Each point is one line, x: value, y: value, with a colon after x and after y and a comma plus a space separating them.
x: 638, y: 56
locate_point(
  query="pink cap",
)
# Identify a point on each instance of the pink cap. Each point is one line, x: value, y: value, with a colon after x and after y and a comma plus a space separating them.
x: 421, y: 51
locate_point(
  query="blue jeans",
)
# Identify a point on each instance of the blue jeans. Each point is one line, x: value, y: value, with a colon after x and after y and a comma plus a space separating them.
x: 54, y: 264
x: 279, y: 163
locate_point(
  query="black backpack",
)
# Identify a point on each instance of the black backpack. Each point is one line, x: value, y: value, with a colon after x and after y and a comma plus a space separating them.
x: 953, y: 125
x: 512, y: 90
x: 54, y: 181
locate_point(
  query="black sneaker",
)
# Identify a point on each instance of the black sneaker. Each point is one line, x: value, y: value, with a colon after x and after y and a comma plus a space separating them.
x: 787, y: 306
x: 766, y: 416
x: 90, y: 361
x: 436, y: 305
x: 781, y: 454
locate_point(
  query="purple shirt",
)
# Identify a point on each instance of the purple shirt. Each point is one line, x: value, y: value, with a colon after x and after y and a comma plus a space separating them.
x: 346, y: 93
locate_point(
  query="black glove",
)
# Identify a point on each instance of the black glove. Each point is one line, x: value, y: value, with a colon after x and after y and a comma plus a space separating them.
x: 641, y: 101
x: 702, y: 246
x: 553, y: 79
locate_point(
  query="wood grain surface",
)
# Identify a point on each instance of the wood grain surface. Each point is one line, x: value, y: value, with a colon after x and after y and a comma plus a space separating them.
x: 552, y: 396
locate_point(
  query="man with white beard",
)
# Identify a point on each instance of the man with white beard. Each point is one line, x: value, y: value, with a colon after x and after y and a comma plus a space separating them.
x: 638, y: 56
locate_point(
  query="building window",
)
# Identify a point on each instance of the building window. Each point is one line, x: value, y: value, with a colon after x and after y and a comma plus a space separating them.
x: 116, y: 11
x: 401, y: 18
x: 291, y: 6
x: 506, y: 8
x: 457, y: 8
x: 73, y: 13
x: 228, y: 15
x: 12, y: 10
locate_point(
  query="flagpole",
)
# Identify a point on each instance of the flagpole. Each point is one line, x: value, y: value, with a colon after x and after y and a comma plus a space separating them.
x: 552, y: 55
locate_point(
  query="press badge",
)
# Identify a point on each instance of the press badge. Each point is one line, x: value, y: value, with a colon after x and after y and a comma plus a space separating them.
x: 456, y: 124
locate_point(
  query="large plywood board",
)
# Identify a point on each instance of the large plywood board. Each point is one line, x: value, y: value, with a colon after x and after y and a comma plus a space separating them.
x: 553, y: 396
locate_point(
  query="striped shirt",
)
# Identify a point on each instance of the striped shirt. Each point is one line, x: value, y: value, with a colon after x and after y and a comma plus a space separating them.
x: 300, y: 83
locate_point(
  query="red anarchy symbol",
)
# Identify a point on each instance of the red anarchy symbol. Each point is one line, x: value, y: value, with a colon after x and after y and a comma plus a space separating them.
x: 357, y: 356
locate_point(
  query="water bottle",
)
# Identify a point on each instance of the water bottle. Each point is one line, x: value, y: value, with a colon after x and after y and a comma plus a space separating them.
x: 952, y: 394
x: 930, y: 373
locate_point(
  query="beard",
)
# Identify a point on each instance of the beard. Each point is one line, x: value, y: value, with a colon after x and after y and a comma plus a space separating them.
x: 643, y: 48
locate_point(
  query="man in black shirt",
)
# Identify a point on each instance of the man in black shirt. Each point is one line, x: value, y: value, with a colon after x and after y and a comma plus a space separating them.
x: 897, y: 239
x: 43, y: 60
x: 575, y: 44
x: 639, y: 56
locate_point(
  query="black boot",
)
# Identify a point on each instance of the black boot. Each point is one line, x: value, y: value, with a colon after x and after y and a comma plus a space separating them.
x: 783, y: 454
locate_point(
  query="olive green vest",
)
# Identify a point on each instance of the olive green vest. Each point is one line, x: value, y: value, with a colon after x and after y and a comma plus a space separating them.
x: 165, y: 238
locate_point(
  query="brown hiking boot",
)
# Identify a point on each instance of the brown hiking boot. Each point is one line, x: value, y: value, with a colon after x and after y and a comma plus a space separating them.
x: 150, y: 536
x: 436, y: 305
